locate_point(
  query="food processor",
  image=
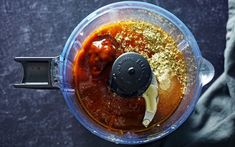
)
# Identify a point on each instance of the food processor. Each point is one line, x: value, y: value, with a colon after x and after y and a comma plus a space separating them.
x: 57, y: 72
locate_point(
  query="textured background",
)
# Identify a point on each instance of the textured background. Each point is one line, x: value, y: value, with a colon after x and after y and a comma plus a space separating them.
x: 40, y: 28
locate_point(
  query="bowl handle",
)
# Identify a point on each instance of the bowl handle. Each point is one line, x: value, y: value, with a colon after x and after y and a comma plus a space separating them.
x: 39, y: 72
x: 206, y: 71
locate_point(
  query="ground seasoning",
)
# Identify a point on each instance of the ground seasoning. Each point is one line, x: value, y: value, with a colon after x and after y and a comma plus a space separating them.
x: 157, y: 46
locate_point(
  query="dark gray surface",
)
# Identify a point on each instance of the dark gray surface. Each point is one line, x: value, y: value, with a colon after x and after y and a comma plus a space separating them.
x: 41, y: 28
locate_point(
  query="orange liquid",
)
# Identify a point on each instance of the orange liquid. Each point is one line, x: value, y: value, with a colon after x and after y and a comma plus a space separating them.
x: 105, y: 107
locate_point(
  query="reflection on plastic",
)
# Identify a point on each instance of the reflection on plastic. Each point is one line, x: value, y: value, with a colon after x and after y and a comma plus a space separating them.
x: 207, y: 71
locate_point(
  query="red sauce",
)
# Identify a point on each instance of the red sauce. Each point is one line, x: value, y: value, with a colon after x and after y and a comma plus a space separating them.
x: 92, y: 67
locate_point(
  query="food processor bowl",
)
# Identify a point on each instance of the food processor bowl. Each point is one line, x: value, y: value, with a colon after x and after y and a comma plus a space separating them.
x: 199, y: 70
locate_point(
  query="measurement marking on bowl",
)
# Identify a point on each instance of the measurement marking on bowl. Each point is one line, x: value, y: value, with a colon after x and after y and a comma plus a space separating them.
x: 183, y: 45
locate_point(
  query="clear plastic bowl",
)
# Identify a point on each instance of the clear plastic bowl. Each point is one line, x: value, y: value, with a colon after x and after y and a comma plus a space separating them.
x: 200, y: 71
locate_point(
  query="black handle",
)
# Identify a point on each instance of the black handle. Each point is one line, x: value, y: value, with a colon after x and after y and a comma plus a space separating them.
x: 39, y: 72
